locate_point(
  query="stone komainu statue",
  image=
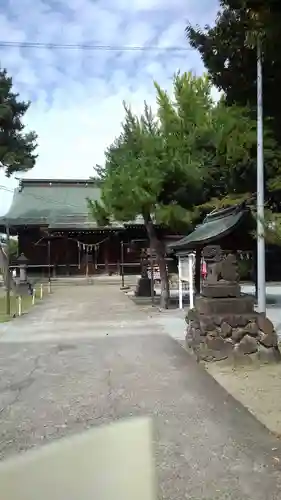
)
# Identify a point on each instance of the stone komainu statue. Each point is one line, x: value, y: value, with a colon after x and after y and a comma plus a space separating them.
x: 220, y: 267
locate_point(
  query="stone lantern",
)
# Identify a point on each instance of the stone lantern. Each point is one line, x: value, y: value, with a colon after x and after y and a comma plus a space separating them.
x: 23, y: 287
x: 22, y: 262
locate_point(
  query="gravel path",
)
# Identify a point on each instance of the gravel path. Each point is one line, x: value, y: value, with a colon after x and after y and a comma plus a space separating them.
x: 90, y: 356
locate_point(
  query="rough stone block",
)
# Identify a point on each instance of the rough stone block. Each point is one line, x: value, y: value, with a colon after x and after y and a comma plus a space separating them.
x: 197, y: 331
x: 238, y: 334
x: 252, y: 328
x: 195, y: 324
x: 215, y: 343
x: 192, y: 315
x: 218, y: 320
x: 268, y: 339
x: 264, y: 324
x: 239, y: 320
x: 248, y: 345
x: 242, y: 320
x: 207, y: 325
x: 268, y: 354
x: 203, y: 353
x: 226, y: 329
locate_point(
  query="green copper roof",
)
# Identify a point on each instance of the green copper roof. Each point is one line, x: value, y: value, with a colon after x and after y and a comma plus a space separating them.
x: 47, y: 202
x: 215, y: 225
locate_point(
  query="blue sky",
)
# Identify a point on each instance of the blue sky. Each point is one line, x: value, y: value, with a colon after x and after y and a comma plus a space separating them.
x: 77, y: 95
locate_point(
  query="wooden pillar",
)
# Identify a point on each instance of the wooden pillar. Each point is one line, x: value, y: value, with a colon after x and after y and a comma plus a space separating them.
x: 106, y: 255
x: 20, y: 243
x: 49, y: 260
x: 55, y: 256
x: 198, y: 271
x: 66, y: 256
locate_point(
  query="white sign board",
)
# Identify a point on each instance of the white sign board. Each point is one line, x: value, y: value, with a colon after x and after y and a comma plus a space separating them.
x: 184, y: 267
x: 186, y: 271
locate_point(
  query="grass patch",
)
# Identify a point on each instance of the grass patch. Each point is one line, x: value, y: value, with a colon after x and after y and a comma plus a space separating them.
x: 26, y: 304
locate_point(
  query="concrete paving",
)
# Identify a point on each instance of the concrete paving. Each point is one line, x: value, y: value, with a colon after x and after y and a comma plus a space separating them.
x: 89, y: 355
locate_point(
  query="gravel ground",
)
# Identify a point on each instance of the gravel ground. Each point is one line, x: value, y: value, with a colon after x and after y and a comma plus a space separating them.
x: 256, y: 387
x: 88, y: 356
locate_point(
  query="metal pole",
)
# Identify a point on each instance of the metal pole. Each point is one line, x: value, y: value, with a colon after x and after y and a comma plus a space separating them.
x: 8, y: 284
x: 180, y: 283
x: 49, y: 265
x: 122, y: 265
x: 260, y: 189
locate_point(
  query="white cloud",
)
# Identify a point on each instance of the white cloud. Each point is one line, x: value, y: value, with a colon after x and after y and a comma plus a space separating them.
x: 77, y: 95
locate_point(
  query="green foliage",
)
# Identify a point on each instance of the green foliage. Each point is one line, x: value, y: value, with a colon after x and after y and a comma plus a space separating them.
x: 156, y: 165
x: 245, y: 267
x: 272, y: 227
x: 16, y: 147
x: 98, y: 213
x: 228, y: 51
x: 13, y: 247
x: 194, y: 155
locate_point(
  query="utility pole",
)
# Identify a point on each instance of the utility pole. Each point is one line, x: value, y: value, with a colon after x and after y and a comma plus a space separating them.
x: 8, y: 283
x: 260, y: 188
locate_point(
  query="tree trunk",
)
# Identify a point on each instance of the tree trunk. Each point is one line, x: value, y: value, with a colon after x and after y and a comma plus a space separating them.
x: 157, y: 246
x: 4, y: 267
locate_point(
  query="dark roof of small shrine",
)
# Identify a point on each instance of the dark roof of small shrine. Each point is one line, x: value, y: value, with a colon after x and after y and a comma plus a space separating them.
x: 216, y: 225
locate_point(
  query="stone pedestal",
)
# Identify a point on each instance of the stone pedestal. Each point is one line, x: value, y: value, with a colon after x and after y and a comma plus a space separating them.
x: 224, y: 325
x: 143, y: 288
x: 218, y: 306
x: 214, y: 337
x: 22, y: 288
x: 223, y: 289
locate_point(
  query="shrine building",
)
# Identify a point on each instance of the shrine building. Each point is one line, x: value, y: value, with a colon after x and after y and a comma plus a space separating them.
x: 56, y: 232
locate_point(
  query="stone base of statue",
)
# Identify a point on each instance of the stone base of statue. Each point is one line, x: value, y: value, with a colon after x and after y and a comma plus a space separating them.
x: 225, y: 305
x: 221, y: 289
x: 23, y: 288
x: 143, y: 288
x: 224, y: 325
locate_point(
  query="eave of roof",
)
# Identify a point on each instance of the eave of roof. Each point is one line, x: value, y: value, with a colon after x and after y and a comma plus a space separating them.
x: 216, y: 225
x: 57, y: 204
x: 46, y: 201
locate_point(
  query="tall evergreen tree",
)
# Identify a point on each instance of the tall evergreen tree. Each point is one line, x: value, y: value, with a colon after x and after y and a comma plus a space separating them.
x: 17, y: 147
x: 229, y: 53
x: 231, y: 60
x: 167, y: 167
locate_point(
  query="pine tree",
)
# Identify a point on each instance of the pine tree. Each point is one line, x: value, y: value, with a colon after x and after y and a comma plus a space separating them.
x: 17, y: 148
x: 168, y: 167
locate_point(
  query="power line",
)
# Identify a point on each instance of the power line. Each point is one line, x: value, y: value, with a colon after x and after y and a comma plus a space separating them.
x: 93, y: 47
